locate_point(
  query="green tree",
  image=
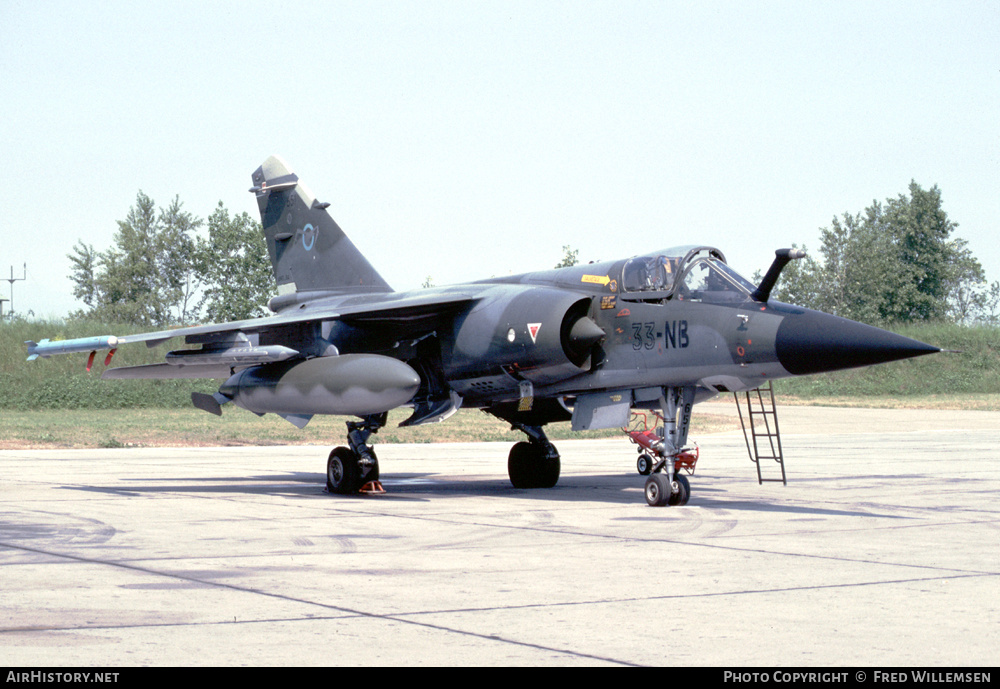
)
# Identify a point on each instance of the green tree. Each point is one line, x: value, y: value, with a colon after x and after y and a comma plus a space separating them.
x: 569, y: 257
x: 128, y: 280
x: 856, y: 261
x: 85, y: 261
x: 234, y: 268
x: 159, y: 271
x: 176, y: 253
x: 897, y: 262
x: 930, y: 264
x: 989, y: 315
x: 138, y: 279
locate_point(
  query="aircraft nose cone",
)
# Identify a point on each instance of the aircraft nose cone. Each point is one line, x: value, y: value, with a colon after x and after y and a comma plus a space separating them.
x: 814, y: 342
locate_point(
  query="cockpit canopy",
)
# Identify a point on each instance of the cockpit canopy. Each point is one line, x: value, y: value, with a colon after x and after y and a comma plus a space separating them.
x: 686, y: 273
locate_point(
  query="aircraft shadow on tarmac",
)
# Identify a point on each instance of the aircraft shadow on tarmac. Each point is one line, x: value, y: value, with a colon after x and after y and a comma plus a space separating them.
x: 429, y: 487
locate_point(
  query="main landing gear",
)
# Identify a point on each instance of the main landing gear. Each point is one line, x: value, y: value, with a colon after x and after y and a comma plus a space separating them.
x: 351, y: 470
x: 662, y: 451
x: 533, y: 463
x: 354, y: 469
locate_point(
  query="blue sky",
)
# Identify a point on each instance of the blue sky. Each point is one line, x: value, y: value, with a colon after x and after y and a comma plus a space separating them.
x: 462, y: 140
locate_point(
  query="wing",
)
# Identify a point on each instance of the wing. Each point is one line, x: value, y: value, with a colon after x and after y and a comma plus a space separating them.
x: 226, y: 347
x: 321, y: 278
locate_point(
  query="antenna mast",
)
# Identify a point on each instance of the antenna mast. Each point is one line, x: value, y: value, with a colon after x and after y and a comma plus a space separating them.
x: 12, y: 280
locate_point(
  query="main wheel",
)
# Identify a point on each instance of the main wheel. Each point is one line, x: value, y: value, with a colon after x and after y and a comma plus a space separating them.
x: 657, y: 490
x: 529, y: 466
x: 547, y: 471
x: 520, y: 463
x: 683, y: 493
x: 343, y: 473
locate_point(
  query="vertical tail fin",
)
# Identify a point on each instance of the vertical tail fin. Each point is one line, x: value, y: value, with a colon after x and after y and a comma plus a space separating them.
x: 309, y: 251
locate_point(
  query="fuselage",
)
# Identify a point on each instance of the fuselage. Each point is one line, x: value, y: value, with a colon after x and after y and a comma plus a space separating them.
x: 677, y: 318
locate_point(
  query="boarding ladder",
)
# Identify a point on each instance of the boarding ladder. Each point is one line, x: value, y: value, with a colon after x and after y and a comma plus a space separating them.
x: 762, y: 417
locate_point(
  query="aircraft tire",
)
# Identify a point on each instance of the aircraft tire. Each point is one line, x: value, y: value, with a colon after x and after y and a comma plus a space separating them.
x: 547, y: 471
x: 528, y: 466
x: 519, y: 465
x: 644, y: 465
x: 683, y: 494
x: 657, y: 490
x: 343, y: 473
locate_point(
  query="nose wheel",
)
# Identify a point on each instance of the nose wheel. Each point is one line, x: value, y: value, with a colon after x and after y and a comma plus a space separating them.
x: 660, y: 491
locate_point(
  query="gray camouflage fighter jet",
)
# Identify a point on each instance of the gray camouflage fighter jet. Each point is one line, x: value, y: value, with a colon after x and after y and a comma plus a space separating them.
x: 586, y: 344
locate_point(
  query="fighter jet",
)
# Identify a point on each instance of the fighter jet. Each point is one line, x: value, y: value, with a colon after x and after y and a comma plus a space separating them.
x: 588, y: 344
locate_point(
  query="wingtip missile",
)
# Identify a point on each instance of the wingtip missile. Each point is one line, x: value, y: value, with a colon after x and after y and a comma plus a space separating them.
x: 47, y: 348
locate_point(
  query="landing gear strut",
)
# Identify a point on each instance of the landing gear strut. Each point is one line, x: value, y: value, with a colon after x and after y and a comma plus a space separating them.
x: 354, y: 469
x: 533, y: 463
x: 662, y: 454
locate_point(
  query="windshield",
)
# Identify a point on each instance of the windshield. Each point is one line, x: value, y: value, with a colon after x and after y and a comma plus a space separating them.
x: 711, y: 281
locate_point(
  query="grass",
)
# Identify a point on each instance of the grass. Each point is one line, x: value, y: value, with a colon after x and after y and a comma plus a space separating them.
x: 187, y: 427
x: 88, y: 428
x: 62, y: 382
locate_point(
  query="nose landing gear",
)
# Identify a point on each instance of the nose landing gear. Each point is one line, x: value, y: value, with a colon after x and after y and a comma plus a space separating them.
x: 659, y: 491
x: 662, y: 454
